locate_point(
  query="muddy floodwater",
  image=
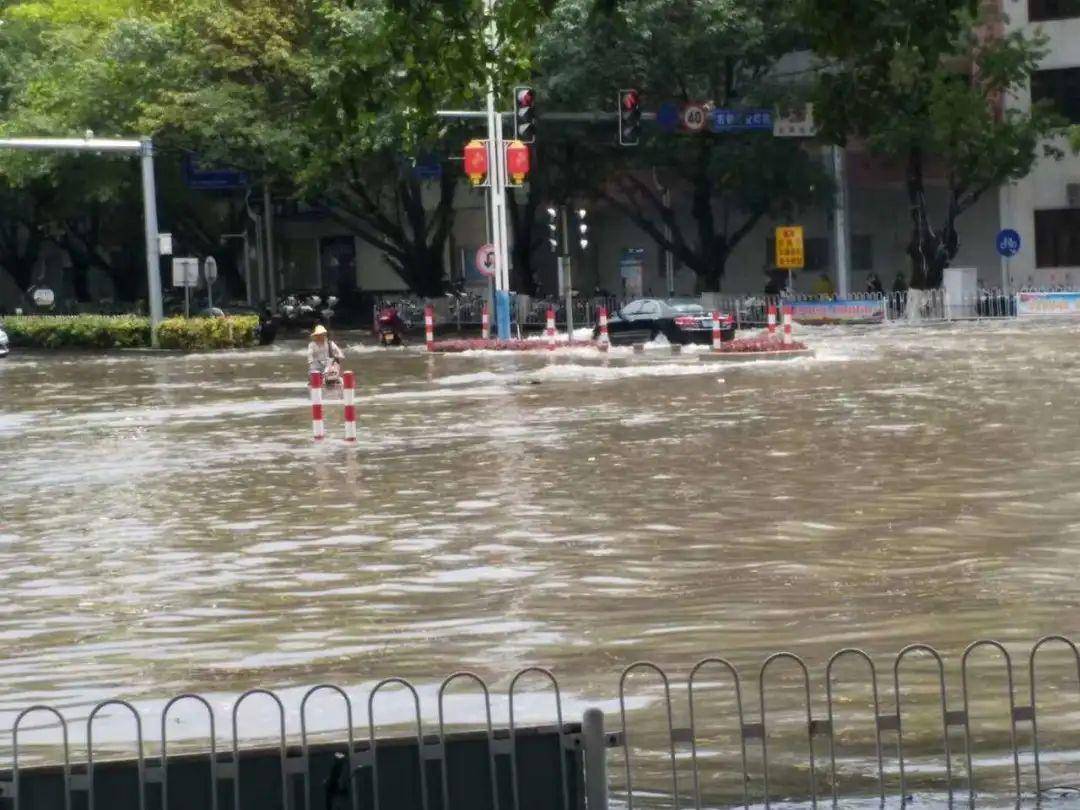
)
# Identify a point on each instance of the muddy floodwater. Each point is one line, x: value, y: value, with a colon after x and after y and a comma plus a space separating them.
x: 167, y: 524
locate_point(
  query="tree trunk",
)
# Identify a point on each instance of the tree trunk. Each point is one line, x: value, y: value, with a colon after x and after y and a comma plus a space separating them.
x: 922, y: 246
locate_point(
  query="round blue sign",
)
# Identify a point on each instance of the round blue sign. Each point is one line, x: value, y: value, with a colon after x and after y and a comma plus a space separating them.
x: 1008, y: 243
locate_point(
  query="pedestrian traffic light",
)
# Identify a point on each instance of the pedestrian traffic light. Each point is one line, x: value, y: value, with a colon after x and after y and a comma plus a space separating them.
x: 583, y: 228
x: 629, y: 118
x: 553, y: 230
x: 524, y: 114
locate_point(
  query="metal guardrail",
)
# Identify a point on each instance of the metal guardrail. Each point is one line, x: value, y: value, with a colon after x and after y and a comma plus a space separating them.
x: 437, y: 771
x: 563, y: 766
x: 888, y: 718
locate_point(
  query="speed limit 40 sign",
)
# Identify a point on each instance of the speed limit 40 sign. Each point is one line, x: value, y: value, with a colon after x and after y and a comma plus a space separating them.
x: 694, y: 117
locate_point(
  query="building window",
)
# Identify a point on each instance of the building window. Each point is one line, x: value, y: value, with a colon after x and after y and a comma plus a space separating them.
x: 1057, y: 238
x: 862, y: 251
x: 1062, y: 87
x: 1039, y: 10
x: 815, y: 247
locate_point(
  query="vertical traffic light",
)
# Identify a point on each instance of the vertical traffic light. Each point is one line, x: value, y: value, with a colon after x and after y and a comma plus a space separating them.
x: 554, y: 231
x: 629, y: 118
x: 583, y: 229
x: 524, y: 114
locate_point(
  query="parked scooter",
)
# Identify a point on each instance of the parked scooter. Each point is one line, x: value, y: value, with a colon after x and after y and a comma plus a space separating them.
x: 305, y: 312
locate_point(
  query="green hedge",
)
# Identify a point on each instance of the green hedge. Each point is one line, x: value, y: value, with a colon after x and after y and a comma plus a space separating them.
x: 129, y: 332
x: 77, y: 331
x: 200, y: 334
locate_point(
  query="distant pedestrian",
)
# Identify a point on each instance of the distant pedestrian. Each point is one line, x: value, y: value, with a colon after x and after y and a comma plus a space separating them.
x: 900, y: 284
x: 874, y: 285
x: 772, y: 287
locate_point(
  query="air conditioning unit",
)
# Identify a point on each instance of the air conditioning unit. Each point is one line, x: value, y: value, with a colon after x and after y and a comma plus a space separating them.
x: 1072, y: 195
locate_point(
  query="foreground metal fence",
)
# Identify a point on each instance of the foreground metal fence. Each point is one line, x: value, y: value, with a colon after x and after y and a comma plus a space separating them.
x: 983, y: 736
x: 890, y: 699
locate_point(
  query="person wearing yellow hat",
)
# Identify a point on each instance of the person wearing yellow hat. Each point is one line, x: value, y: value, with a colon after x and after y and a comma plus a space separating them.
x: 324, y: 355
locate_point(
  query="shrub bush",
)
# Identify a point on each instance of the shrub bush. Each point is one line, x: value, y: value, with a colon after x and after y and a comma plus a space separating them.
x: 129, y: 332
x: 200, y: 334
x: 77, y: 331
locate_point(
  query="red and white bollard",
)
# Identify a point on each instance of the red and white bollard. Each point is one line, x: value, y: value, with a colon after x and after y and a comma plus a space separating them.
x: 318, y: 429
x: 348, y: 397
x: 551, y: 328
x: 788, y: 340
x: 717, y: 336
x: 429, y: 327
x: 601, y: 317
x: 485, y: 323
x: 772, y: 320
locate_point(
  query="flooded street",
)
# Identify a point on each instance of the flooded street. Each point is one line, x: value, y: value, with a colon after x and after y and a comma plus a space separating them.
x: 167, y: 524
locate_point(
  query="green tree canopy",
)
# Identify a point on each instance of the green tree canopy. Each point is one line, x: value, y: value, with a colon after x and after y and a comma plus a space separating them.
x: 930, y: 80
x: 723, y: 52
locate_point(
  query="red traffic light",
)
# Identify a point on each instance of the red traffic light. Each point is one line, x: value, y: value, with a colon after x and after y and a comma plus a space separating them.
x: 631, y: 100
x: 525, y: 97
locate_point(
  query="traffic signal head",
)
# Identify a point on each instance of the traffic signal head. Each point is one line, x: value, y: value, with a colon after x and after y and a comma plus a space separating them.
x: 629, y: 118
x: 524, y: 114
x: 553, y: 230
x: 583, y: 229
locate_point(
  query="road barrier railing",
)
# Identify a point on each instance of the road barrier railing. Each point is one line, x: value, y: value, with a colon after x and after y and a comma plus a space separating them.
x: 870, y: 727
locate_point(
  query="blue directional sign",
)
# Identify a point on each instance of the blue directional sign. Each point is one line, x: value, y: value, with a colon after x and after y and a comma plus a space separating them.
x: 1008, y: 243
x: 667, y: 117
x: 198, y: 176
x: 740, y: 120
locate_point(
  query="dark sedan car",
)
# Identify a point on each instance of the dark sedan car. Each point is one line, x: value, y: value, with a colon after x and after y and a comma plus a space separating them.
x: 680, y: 321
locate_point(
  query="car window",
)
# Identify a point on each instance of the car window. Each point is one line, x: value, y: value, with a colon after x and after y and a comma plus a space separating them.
x: 650, y: 308
x: 633, y: 308
x: 687, y: 307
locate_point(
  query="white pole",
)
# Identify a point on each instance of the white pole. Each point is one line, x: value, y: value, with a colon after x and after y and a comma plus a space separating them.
x: 153, y: 260
x: 497, y: 176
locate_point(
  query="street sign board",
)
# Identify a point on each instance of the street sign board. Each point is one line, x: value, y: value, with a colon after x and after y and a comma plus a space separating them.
x: 485, y: 260
x: 790, y: 252
x: 1008, y: 243
x: 199, y: 176
x: 795, y: 123
x: 165, y: 244
x: 694, y: 117
x: 185, y: 272
x: 731, y: 120
x: 668, y: 116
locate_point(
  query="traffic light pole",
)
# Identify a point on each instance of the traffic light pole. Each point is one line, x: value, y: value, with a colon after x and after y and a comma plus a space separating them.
x: 497, y: 195
x: 564, y: 262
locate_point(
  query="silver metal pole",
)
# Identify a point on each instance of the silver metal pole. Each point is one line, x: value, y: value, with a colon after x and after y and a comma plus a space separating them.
x: 569, y: 290
x: 596, y: 783
x: 669, y: 257
x: 840, y: 224
x: 247, y: 271
x: 153, y: 259
x: 268, y: 215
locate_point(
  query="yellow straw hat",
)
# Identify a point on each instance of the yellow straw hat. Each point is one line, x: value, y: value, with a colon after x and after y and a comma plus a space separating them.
x: 318, y: 330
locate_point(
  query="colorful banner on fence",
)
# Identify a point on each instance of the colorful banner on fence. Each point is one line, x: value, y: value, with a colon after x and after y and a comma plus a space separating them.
x: 1048, y: 303
x: 841, y: 311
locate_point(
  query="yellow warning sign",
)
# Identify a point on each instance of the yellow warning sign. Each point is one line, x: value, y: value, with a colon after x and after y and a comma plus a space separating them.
x: 790, y: 254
